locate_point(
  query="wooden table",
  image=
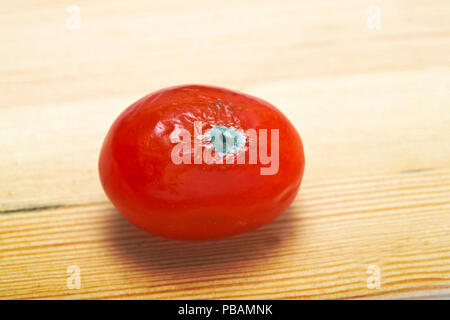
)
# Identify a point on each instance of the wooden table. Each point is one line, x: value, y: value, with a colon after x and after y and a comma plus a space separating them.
x: 369, y: 97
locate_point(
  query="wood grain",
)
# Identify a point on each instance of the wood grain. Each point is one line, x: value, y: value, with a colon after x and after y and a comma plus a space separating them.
x: 371, y: 106
x: 320, y: 248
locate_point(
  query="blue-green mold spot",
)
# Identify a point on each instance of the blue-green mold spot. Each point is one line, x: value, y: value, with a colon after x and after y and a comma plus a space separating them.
x: 225, y: 140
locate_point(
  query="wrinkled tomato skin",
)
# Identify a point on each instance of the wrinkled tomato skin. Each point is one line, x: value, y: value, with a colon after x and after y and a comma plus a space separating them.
x: 196, y: 201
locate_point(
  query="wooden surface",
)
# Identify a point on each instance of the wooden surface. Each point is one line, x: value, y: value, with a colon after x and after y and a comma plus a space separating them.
x: 372, y: 107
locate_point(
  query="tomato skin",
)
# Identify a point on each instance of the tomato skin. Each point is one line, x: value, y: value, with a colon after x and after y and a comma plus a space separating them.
x: 196, y: 201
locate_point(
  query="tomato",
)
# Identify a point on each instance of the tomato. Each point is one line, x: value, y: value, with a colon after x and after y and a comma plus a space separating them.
x: 198, y: 162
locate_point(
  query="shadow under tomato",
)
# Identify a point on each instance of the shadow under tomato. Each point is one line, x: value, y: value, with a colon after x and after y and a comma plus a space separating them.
x: 170, y: 259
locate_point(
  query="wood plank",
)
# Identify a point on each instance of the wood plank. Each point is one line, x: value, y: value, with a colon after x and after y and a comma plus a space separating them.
x: 371, y: 106
x: 320, y: 248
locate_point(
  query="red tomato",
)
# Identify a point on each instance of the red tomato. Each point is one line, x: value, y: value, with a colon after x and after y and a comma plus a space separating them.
x: 160, y: 163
